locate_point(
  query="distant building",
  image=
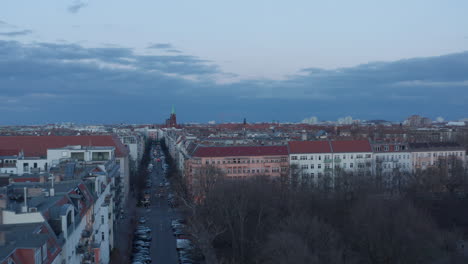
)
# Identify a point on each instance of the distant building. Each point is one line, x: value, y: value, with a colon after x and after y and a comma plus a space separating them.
x: 417, y: 121
x: 172, y: 121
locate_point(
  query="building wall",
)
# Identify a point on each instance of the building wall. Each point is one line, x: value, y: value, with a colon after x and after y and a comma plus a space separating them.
x: 317, y: 165
x: 40, y: 163
x: 274, y: 166
x: 125, y: 176
x: 386, y: 162
x: 423, y: 159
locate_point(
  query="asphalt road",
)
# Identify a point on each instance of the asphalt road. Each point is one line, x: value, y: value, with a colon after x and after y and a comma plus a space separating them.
x: 159, y: 216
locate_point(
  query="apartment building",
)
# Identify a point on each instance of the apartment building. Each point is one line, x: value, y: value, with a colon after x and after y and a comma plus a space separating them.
x: 313, y: 160
x: 32, y: 154
x: 390, y: 157
x: 70, y: 221
x: 427, y: 155
x: 239, y: 161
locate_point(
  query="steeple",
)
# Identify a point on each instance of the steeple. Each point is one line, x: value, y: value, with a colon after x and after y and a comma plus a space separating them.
x: 173, y: 110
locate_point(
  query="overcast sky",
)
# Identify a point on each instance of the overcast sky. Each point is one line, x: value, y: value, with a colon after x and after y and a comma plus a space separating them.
x: 129, y: 61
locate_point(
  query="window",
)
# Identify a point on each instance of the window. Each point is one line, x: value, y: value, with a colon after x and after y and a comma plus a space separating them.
x: 351, y: 165
x: 351, y: 157
x: 344, y: 165
x: 397, y: 148
x: 207, y: 162
x: 327, y: 166
x: 337, y: 157
x: 103, y: 237
x: 311, y: 157
x: 293, y: 157
x: 312, y: 175
x: 284, y: 159
x: 319, y: 166
x: 359, y: 156
x: 368, y: 156
x: 312, y: 166
x: 304, y: 166
x: 303, y: 157
x: 64, y: 153
x: 102, y: 219
x: 386, y: 148
x: 320, y: 157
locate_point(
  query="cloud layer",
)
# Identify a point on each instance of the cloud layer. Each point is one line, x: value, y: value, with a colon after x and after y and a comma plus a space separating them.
x: 49, y: 82
x: 16, y: 33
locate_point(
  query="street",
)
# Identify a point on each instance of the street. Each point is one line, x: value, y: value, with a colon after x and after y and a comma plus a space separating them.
x: 159, y: 215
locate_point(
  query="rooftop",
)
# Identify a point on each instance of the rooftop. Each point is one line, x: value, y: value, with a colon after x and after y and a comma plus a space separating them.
x: 36, y: 146
x: 240, y: 151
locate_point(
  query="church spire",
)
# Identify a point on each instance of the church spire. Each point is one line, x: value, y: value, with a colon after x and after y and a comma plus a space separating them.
x: 173, y: 110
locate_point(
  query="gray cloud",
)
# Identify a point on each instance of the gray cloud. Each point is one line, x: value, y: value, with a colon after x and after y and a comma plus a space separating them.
x: 76, y: 6
x: 68, y: 82
x: 160, y: 46
x: 16, y: 33
x: 174, y: 51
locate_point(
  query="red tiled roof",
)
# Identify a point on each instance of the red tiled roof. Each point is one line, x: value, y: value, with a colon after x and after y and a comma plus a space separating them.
x: 8, y: 152
x: 36, y: 146
x: 240, y: 151
x: 298, y: 147
x: 351, y: 146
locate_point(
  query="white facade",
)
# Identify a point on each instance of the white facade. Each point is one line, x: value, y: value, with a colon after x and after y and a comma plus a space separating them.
x: 388, y: 162
x: 315, y: 165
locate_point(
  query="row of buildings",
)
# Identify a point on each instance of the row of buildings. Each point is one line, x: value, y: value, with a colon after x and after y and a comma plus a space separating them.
x: 61, y: 196
x: 308, y: 159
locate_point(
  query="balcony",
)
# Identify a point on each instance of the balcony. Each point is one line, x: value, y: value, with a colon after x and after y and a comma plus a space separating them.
x: 337, y: 160
x: 328, y: 160
x: 86, y: 233
x: 328, y: 169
